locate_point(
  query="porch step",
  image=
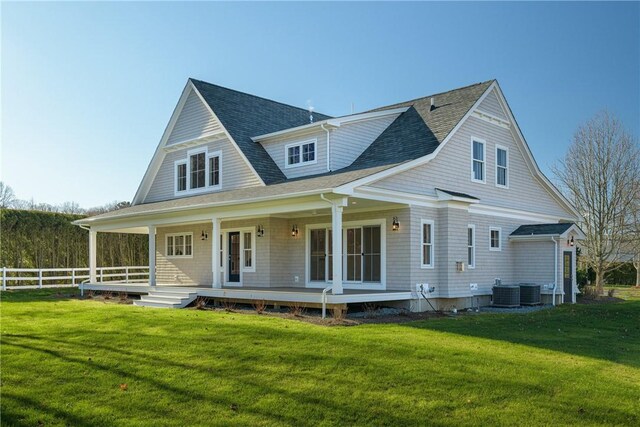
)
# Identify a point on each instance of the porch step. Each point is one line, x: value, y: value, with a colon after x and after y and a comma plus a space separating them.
x: 166, y: 299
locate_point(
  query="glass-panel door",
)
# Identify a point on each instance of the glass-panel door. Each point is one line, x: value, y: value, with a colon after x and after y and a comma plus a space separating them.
x: 371, y: 253
x: 318, y: 255
x: 234, y: 257
x: 353, y: 254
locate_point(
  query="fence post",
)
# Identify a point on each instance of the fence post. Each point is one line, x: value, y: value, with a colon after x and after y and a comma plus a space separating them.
x: 40, y: 278
x: 4, y: 278
x: 101, y: 275
x: 73, y: 277
x: 126, y: 275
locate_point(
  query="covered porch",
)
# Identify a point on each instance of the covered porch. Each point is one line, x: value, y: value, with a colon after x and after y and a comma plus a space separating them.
x: 273, y: 251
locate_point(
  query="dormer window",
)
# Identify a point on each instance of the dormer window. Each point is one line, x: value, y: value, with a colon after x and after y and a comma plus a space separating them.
x: 300, y: 153
x: 198, y: 172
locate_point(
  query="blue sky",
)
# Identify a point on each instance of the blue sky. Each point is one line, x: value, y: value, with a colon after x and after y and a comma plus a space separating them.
x: 88, y: 88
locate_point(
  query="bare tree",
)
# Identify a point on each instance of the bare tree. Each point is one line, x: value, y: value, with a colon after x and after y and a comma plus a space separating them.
x: 7, y: 196
x: 599, y: 173
x: 633, y: 233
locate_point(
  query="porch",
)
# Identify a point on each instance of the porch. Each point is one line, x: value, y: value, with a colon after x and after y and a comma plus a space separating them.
x: 283, y: 294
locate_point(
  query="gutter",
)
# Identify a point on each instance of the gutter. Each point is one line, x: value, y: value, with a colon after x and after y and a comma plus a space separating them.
x: 555, y: 277
x: 328, y: 147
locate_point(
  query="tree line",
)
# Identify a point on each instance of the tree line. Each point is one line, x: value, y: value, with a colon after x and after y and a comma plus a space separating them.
x: 35, y: 239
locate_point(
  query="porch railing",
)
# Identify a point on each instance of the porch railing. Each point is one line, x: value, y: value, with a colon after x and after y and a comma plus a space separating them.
x: 38, y: 278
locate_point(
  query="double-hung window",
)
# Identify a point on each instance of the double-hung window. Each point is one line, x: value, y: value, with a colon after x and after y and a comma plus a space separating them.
x: 181, y: 176
x: 502, y: 161
x: 471, y: 246
x: 477, y: 160
x: 214, y: 170
x: 179, y: 245
x: 198, y: 171
x: 247, y: 247
x: 495, y: 243
x: 427, y: 243
x: 300, y: 153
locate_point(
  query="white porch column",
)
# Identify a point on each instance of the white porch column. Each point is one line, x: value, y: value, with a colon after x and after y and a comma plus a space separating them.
x: 215, y: 253
x: 152, y: 255
x: 92, y: 256
x: 336, y: 231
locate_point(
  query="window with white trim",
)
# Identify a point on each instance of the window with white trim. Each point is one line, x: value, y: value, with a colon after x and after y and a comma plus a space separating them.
x: 471, y: 246
x: 199, y: 171
x: 214, y: 171
x: 181, y: 176
x: 502, y: 161
x: 495, y: 239
x: 477, y: 160
x: 179, y: 245
x: 300, y: 153
x: 247, y: 247
x: 426, y: 245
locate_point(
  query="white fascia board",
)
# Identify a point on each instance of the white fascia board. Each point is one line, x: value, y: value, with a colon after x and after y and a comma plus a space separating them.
x: 575, y: 229
x: 420, y: 160
x: 336, y: 122
x: 413, y: 199
x: 233, y: 142
x: 95, y: 220
x: 158, y: 155
x: 200, y: 216
x: 211, y: 137
x: 531, y: 160
x: 481, y: 209
x: 443, y: 195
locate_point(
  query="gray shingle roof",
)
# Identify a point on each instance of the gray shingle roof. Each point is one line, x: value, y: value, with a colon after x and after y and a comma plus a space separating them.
x: 542, y: 229
x: 418, y: 131
x: 312, y: 185
x: 457, y: 194
x: 245, y: 115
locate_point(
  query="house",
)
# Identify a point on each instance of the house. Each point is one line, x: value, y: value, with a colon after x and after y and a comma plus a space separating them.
x: 246, y: 198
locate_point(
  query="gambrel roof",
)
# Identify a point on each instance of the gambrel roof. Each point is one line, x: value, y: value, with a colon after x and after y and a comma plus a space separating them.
x: 415, y: 133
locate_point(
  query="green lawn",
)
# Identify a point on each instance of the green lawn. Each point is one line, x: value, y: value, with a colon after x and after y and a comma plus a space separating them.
x: 64, y: 360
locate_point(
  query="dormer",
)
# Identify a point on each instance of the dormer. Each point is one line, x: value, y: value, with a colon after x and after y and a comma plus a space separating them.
x: 326, y: 145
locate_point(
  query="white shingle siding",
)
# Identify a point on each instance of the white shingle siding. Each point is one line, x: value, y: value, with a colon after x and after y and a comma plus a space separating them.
x: 491, y: 105
x: 348, y: 142
x: 534, y: 262
x: 235, y: 173
x: 451, y: 170
x: 194, y: 121
x: 276, y: 150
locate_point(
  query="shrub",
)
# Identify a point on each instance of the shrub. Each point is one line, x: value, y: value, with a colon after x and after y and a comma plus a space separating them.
x: 297, y: 310
x: 259, y: 306
x: 201, y: 303
x: 339, y: 313
x: 228, y: 305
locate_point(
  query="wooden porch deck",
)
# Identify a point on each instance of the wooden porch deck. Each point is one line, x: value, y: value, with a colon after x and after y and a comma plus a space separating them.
x: 274, y: 294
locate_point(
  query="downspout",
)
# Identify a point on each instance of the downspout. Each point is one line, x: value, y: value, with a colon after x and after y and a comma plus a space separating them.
x: 328, y: 152
x: 555, y: 272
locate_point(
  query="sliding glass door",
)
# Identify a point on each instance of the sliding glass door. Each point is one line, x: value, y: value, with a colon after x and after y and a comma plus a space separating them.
x: 362, y: 254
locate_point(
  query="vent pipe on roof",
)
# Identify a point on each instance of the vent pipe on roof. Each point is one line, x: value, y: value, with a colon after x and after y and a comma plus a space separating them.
x: 310, y: 114
x: 433, y: 104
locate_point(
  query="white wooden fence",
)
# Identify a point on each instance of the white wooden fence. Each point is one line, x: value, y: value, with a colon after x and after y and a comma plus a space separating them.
x: 34, y: 278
